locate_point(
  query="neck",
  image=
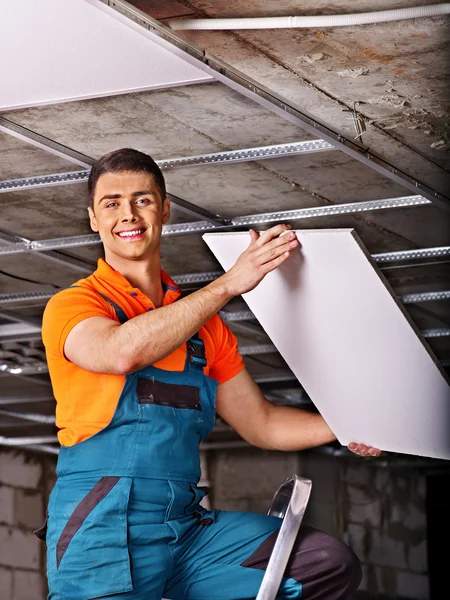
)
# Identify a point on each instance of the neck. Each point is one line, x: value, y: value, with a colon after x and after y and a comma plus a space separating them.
x: 144, y: 274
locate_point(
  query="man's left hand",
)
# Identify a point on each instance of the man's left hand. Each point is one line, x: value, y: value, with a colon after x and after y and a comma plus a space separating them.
x: 363, y: 450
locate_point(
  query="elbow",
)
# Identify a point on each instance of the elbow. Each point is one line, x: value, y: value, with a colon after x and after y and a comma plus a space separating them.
x: 125, y: 363
x: 128, y: 363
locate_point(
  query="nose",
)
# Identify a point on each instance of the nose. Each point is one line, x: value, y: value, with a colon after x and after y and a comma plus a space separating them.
x: 127, y: 215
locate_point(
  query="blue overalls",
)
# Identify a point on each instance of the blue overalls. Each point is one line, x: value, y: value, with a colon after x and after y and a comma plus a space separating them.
x: 124, y: 518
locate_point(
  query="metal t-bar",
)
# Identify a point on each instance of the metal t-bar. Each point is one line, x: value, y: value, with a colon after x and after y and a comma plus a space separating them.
x: 289, y: 503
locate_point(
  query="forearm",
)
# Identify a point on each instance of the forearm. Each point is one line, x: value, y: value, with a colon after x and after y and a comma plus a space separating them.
x: 289, y: 429
x: 101, y: 345
x: 149, y: 337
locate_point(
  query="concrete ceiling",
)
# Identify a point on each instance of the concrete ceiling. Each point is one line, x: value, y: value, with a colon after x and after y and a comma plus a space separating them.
x: 394, y: 74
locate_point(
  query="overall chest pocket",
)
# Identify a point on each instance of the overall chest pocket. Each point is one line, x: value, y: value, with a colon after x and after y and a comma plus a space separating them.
x: 168, y: 394
x: 88, y: 553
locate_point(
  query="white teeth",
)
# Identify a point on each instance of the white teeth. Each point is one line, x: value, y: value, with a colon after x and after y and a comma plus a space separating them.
x: 131, y: 233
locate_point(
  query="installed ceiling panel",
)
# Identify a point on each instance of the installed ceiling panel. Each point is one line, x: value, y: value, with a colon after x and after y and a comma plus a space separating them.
x: 59, y: 50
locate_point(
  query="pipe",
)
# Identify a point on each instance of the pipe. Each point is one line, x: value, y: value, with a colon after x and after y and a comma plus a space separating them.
x: 382, y: 16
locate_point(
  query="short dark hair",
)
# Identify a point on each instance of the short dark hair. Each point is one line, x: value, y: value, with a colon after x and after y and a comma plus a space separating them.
x: 125, y: 159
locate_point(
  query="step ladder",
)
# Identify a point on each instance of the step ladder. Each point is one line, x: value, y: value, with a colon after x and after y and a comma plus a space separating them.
x: 289, y: 503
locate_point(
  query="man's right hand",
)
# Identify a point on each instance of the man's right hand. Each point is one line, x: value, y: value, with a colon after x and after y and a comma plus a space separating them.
x: 266, y: 252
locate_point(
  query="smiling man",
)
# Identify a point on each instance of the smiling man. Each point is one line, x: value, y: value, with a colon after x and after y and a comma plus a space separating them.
x: 138, y: 373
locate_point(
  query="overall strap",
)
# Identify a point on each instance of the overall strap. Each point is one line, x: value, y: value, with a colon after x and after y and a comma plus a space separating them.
x: 196, y: 355
x: 196, y: 351
x: 119, y: 312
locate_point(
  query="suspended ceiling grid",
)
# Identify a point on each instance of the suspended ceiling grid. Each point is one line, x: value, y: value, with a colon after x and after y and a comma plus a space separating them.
x: 185, y: 121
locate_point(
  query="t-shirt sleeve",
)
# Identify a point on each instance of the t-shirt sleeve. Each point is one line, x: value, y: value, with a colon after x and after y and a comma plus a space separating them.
x: 227, y: 361
x: 65, y: 310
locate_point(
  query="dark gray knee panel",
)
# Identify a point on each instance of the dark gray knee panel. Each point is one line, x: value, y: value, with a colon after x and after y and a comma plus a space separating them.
x: 327, y: 568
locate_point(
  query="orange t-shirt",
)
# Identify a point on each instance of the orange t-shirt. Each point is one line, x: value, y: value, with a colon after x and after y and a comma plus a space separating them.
x: 86, y: 401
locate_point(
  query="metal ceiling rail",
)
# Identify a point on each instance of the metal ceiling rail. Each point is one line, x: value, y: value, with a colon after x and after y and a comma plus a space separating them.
x: 16, y: 318
x: 438, y: 251
x: 34, y: 369
x: 214, y: 158
x: 237, y: 80
x: 19, y: 329
x: 26, y: 441
x: 34, y: 417
x: 425, y: 297
x: 25, y: 296
x: 24, y: 400
x: 275, y: 378
x: 79, y: 264
x: 434, y: 333
x: 23, y: 336
x: 249, y: 154
x: 245, y: 221
x: 44, y: 448
x: 44, y: 143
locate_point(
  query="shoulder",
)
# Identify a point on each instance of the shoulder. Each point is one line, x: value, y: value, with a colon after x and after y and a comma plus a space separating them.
x: 67, y: 308
x: 81, y: 294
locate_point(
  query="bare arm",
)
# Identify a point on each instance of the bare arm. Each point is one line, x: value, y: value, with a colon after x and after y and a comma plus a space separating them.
x: 242, y: 405
x: 101, y: 345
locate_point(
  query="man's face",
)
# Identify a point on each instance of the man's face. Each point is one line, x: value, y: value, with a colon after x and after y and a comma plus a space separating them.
x: 128, y: 213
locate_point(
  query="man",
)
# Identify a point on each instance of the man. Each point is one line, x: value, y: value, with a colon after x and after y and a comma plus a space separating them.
x: 138, y: 374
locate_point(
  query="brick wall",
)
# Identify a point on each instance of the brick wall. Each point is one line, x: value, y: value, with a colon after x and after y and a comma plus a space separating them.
x: 386, y: 524
x: 379, y: 511
x: 25, y: 481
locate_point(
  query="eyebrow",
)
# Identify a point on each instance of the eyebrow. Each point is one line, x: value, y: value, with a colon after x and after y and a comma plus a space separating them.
x: 133, y: 195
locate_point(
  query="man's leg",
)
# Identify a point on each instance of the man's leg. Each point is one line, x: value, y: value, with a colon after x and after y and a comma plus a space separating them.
x: 227, y: 559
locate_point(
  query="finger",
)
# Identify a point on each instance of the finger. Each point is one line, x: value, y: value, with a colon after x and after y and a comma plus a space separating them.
x: 267, y: 257
x: 363, y: 450
x: 271, y: 233
x: 357, y: 448
x: 375, y: 452
x: 272, y: 264
x: 276, y: 247
x: 254, y: 236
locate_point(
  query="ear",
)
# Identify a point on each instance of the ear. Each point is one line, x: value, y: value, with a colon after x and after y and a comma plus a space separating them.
x: 166, y: 210
x: 92, y: 219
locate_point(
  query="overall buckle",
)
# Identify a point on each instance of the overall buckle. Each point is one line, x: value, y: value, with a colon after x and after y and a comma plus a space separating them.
x: 196, y: 350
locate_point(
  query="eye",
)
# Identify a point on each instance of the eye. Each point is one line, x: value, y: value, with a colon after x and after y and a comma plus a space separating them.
x: 143, y: 201
x: 111, y: 205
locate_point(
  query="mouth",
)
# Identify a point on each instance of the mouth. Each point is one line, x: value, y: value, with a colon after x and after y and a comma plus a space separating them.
x: 131, y: 235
